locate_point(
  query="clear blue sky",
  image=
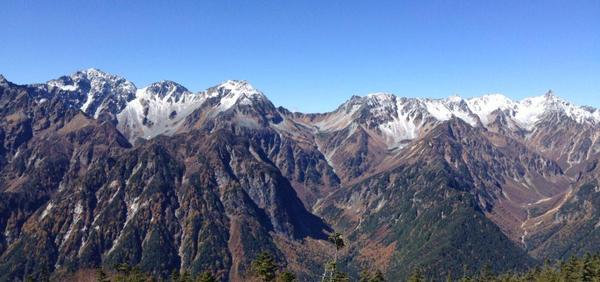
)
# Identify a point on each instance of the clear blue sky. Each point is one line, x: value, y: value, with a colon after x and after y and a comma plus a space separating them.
x: 313, y: 55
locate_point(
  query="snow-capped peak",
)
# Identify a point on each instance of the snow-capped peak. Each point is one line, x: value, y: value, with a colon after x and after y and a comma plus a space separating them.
x: 157, y: 109
x: 94, y: 91
x: 97, y: 73
x: 380, y: 98
x: 90, y: 75
x: 454, y: 99
x: 485, y: 105
x: 491, y: 100
x: 238, y: 88
x: 232, y: 92
x: 380, y: 95
x: 167, y: 89
x: 99, y: 79
x: 550, y: 95
x: 529, y: 111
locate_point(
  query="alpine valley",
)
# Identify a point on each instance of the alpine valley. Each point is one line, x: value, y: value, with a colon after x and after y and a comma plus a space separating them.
x: 95, y: 171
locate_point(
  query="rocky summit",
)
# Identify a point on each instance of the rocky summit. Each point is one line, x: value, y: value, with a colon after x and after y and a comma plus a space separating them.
x: 96, y: 172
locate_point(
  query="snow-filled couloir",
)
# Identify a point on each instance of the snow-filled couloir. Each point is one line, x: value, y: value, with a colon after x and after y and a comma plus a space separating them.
x: 158, y: 109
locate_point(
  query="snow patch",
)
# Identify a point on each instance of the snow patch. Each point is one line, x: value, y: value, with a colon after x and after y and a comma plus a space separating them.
x: 47, y: 210
x: 77, y: 212
x: 60, y: 85
x: 445, y: 109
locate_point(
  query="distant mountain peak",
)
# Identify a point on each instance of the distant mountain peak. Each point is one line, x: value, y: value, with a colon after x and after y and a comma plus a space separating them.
x: 497, y: 97
x: 455, y: 98
x: 166, y: 88
x: 239, y: 88
x: 95, y: 91
x: 95, y: 72
x: 168, y: 83
x: 379, y: 95
x: 550, y: 98
x: 97, y: 78
x: 235, y: 92
x: 550, y: 94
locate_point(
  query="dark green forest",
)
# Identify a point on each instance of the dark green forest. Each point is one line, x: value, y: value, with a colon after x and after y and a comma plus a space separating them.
x: 265, y: 268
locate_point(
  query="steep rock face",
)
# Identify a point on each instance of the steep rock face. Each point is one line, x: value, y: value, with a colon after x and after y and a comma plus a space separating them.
x: 49, y: 145
x: 357, y: 136
x: 167, y: 108
x: 300, y: 161
x: 94, y: 92
x: 571, y: 227
x: 237, y: 107
x: 570, y: 143
x: 509, y: 180
x: 420, y: 215
x: 233, y: 103
x: 454, y: 176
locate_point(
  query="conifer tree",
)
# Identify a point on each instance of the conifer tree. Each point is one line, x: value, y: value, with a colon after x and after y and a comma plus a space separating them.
x: 44, y: 275
x: 486, y: 273
x: 417, y: 276
x: 364, y: 276
x: 339, y: 276
x: 206, y: 277
x: 175, y: 275
x: 338, y: 242
x: 264, y: 267
x: 332, y: 273
x: 449, y: 277
x: 587, y: 268
x: 465, y: 277
x: 568, y: 270
x: 367, y: 276
x: 378, y: 277
x: 286, y: 276
x: 101, y: 275
x: 186, y: 277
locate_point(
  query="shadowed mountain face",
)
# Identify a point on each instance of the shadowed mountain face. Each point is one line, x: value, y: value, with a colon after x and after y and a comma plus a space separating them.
x: 96, y: 172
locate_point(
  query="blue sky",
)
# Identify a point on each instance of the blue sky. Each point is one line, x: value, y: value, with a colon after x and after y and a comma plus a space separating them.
x: 313, y: 55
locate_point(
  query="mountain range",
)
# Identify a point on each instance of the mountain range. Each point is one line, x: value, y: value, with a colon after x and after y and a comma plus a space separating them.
x: 95, y: 172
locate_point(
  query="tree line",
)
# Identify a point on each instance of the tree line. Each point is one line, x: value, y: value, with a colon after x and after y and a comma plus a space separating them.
x: 584, y: 269
x: 264, y: 268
